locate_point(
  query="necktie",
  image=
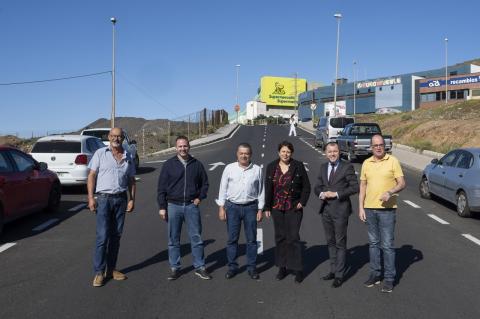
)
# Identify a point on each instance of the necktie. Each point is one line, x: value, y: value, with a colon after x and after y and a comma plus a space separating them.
x: 332, y: 172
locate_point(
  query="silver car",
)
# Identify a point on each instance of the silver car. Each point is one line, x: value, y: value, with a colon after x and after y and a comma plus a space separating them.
x: 455, y: 178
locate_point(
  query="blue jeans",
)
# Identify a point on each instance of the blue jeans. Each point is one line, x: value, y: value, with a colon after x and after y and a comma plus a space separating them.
x: 191, y: 215
x: 235, y: 215
x: 381, y: 231
x: 110, y: 218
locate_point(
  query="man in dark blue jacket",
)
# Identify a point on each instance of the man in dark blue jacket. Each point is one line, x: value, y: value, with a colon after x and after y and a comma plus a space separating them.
x: 182, y: 184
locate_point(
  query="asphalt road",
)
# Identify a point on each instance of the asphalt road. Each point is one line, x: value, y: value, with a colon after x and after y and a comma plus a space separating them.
x: 48, y: 272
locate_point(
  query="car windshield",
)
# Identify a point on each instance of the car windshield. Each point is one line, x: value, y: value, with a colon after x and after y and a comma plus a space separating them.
x: 101, y: 134
x: 57, y: 147
x: 340, y: 122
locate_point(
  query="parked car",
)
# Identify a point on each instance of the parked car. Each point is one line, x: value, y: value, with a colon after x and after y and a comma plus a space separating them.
x: 328, y: 128
x: 354, y: 140
x: 128, y: 144
x: 455, y: 178
x: 67, y: 155
x: 26, y: 186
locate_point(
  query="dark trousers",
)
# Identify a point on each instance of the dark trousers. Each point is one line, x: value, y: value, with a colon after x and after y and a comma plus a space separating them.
x: 335, y: 226
x: 288, y: 250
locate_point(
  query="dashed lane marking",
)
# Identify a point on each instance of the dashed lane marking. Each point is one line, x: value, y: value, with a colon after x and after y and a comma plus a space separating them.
x: 6, y: 246
x: 259, y: 241
x: 46, y: 224
x: 438, y: 219
x: 472, y: 238
x: 263, y: 146
x: 261, y: 166
x: 263, y: 155
x: 159, y: 161
x: 79, y: 207
x: 412, y: 204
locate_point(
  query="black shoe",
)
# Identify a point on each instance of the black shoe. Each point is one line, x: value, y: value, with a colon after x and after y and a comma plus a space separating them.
x: 282, y: 273
x: 329, y: 276
x: 298, y: 277
x: 230, y: 274
x: 337, y: 282
x: 387, y: 286
x: 203, y: 273
x: 253, y: 274
x: 371, y: 281
x: 174, y: 274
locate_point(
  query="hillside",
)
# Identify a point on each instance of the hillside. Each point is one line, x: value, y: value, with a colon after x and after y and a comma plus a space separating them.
x: 439, y: 129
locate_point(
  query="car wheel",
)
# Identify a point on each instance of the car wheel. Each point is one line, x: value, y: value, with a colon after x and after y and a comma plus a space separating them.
x: 54, y: 198
x: 424, y: 188
x: 463, y: 210
x: 137, y: 161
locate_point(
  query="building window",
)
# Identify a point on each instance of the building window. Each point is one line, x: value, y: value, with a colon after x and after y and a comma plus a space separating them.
x: 380, y: 88
x: 369, y: 90
x: 453, y: 95
x: 358, y: 91
x: 460, y: 94
x: 391, y: 88
x: 453, y: 73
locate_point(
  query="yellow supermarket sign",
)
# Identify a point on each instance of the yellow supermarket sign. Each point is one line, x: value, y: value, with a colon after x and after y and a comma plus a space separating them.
x: 280, y: 91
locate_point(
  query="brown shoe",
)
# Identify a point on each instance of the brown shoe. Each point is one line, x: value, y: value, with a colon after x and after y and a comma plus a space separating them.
x: 116, y: 275
x: 98, y: 280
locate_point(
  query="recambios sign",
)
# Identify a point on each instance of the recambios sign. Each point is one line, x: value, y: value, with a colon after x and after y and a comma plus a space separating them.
x: 454, y: 81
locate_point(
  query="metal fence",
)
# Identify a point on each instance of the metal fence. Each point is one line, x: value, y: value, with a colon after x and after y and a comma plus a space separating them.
x: 161, y: 134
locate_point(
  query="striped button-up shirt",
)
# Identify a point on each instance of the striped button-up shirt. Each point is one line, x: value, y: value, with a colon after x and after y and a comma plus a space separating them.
x: 241, y: 185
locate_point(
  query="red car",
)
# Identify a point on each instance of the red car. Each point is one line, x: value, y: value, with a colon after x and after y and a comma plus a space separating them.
x: 26, y: 186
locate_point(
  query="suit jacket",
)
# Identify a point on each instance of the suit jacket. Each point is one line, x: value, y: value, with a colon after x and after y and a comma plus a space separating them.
x: 344, y: 182
x: 299, y: 187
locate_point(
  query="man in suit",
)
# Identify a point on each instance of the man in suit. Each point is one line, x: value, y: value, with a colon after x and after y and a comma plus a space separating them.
x: 336, y: 182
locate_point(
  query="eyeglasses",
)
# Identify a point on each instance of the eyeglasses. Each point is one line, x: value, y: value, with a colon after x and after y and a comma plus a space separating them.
x: 378, y: 145
x: 116, y: 136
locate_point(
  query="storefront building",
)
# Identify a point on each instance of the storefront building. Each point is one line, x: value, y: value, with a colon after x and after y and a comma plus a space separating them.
x: 397, y: 93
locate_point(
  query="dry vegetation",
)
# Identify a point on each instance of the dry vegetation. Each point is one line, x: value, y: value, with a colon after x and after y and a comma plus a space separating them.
x: 438, y: 129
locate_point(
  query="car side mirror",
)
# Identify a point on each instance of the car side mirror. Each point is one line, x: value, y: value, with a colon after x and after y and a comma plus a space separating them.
x: 133, y: 142
x: 435, y: 161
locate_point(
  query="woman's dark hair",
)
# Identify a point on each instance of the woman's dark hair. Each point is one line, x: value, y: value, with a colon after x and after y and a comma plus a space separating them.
x: 287, y: 145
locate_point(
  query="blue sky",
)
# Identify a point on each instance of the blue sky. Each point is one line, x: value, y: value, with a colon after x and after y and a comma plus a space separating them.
x: 176, y: 57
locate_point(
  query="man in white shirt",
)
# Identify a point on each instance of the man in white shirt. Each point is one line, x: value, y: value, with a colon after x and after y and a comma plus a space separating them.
x: 241, y: 197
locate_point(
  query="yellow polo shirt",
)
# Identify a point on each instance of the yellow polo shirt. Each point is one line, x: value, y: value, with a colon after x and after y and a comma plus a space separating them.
x: 380, y: 177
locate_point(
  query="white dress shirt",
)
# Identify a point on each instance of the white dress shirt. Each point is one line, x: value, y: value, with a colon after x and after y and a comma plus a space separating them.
x: 241, y: 185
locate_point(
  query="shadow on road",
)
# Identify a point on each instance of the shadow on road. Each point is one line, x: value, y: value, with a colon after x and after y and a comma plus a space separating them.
x: 163, y: 256
x: 23, y: 227
x: 357, y: 257
x: 406, y: 256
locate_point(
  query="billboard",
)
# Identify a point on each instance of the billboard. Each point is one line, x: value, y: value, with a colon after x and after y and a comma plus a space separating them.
x: 278, y: 91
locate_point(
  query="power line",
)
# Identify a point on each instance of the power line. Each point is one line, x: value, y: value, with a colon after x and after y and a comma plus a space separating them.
x: 56, y: 79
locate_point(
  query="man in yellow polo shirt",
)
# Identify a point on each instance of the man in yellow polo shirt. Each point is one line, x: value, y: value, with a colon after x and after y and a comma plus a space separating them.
x: 380, y: 181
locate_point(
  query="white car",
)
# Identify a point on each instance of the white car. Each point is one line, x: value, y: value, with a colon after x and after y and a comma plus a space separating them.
x: 128, y: 144
x: 67, y: 155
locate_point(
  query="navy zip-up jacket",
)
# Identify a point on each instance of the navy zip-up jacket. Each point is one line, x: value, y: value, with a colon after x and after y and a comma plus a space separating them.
x: 180, y: 184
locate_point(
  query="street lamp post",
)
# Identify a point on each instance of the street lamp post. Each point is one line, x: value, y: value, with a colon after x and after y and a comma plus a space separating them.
x: 237, y: 107
x: 112, y: 120
x: 354, y: 89
x: 446, y: 70
x: 337, y: 16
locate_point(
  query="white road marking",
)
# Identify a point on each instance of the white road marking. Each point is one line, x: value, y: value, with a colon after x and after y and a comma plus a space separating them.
x: 263, y: 155
x: 470, y: 237
x: 412, y: 204
x: 261, y: 166
x: 137, y: 178
x: 263, y: 145
x: 306, y: 168
x: 159, y: 161
x: 78, y: 207
x: 46, y: 224
x: 215, y: 165
x: 259, y: 241
x: 438, y: 219
x: 6, y: 246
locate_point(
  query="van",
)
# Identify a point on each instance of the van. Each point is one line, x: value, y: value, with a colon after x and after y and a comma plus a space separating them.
x: 329, y: 127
